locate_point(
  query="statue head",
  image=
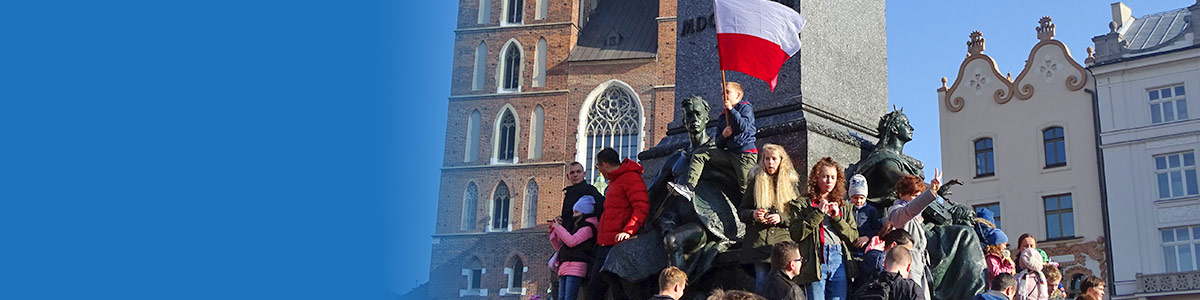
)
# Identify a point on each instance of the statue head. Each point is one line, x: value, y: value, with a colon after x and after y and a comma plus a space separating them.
x: 895, y: 126
x: 695, y: 114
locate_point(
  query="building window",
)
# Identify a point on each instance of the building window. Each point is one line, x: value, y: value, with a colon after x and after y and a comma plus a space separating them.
x: 985, y: 161
x: 485, y: 11
x: 473, y: 273
x: 536, y: 123
x: 613, y: 120
x: 542, y: 9
x: 1055, y: 146
x: 516, y: 281
x: 539, y: 72
x: 1168, y: 104
x: 1180, y: 248
x: 472, y: 151
x: 1060, y: 216
x: 1176, y: 175
x: 470, y: 200
x: 995, y: 208
x: 500, y: 207
x: 510, y: 68
x: 478, y: 78
x: 506, y: 137
x: 513, y: 11
x: 531, y: 200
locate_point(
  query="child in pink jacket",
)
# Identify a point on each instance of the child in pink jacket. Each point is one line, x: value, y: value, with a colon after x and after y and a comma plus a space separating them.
x: 995, y: 248
x: 574, y: 240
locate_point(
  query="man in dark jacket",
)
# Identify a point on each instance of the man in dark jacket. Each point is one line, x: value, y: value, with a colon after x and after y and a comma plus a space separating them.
x: 578, y: 189
x: 893, y: 280
x: 785, y: 265
x: 735, y: 145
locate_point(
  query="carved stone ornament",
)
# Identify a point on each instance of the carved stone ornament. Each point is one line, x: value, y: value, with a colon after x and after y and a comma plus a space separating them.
x: 1045, y: 29
x: 975, y: 45
x: 1091, y: 59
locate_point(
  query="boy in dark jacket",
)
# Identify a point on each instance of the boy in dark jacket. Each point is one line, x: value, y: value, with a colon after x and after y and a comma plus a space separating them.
x: 893, y: 278
x: 671, y: 283
x: 734, y: 145
x: 785, y: 265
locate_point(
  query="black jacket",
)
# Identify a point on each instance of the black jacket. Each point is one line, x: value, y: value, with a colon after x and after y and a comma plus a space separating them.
x: 902, y: 288
x: 779, y: 287
x: 571, y: 194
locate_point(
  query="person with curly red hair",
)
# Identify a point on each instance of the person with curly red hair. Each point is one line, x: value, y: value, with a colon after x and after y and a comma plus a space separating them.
x: 822, y: 223
x: 915, y: 196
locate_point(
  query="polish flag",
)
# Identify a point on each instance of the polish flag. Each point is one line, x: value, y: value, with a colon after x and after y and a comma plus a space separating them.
x: 756, y: 36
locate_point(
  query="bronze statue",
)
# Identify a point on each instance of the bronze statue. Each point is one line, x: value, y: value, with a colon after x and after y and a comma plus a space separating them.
x: 955, y: 253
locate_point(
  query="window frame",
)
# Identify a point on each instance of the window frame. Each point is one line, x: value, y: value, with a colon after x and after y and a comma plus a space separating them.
x: 1192, y: 244
x: 498, y: 135
x: 990, y: 151
x: 1060, y: 147
x: 470, y: 214
x: 529, y: 206
x: 503, y: 222
x: 1176, y: 100
x: 1188, y: 184
x: 513, y: 8
x: 1059, y: 212
x: 503, y: 68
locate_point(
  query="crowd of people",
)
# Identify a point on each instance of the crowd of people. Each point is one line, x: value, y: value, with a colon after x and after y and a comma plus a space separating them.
x: 818, y: 237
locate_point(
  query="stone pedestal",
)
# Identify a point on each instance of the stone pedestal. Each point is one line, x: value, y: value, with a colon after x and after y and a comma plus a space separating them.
x: 828, y: 99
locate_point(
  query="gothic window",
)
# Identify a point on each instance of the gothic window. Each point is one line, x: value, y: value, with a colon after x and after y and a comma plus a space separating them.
x: 470, y: 200
x: 510, y: 71
x: 536, y: 123
x: 531, y: 200
x: 613, y: 120
x: 478, y: 78
x: 500, y: 208
x: 513, y: 11
x: 506, y: 137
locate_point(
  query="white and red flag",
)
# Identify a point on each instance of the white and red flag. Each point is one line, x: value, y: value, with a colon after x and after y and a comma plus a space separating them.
x: 756, y: 36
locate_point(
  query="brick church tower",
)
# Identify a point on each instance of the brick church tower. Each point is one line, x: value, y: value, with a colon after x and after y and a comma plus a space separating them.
x: 536, y: 85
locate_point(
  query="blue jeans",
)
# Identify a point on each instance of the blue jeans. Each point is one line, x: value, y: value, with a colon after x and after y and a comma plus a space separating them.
x: 762, y: 271
x: 568, y: 287
x: 832, y: 285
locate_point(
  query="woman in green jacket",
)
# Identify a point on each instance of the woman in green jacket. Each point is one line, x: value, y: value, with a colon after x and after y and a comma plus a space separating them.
x: 822, y: 223
x: 772, y: 185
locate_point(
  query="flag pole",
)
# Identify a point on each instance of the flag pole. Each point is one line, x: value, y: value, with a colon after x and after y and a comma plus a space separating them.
x: 726, y: 110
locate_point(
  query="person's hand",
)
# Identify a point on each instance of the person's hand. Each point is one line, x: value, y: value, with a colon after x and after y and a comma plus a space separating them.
x: 758, y: 214
x: 861, y: 241
x: 830, y: 208
x: 621, y: 237
x: 771, y: 219
x: 936, y: 183
x: 727, y: 132
x: 728, y: 104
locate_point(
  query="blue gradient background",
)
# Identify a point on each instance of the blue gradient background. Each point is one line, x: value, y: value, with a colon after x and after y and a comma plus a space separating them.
x: 291, y: 149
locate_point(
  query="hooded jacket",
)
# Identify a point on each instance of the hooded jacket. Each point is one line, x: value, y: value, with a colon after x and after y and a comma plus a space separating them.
x: 626, y: 204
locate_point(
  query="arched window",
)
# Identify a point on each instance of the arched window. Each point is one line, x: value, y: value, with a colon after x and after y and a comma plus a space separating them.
x: 472, y: 142
x: 539, y: 68
x: 473, y: 272
x: 513, y: 11
x: 510, y: 68
x: 531, y: 200
x: 500, y: 208
x: 506, y: 137
x: 542, y: 9
x: 985, y: 160
x: 470, y: 200
x: 478, y: 78
x: 536, y: 122
x: 485, y: 11
x: 613, y: 120
x: 1055, y: 146
x: 516, y: 278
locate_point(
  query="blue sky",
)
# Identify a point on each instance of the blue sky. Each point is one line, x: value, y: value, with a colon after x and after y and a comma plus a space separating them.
x: 926, y: 41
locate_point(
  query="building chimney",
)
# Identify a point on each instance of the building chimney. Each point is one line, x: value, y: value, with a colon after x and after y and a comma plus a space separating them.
x: 1120, y: 14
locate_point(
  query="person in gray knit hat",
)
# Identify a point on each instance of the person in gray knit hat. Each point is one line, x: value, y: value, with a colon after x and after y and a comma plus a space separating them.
x: 868, y: 217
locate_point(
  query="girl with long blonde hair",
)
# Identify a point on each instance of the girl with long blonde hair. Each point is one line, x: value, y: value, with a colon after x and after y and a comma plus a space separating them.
x: 772, y: 185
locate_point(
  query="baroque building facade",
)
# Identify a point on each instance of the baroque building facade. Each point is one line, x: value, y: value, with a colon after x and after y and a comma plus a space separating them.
x: 1025, y: 148
x: 1145, y: 67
